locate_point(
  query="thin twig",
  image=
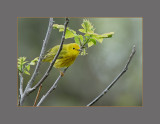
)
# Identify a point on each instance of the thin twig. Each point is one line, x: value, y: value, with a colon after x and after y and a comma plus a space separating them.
x: 51, y: 89
x: 19, y: 97
x: 20, y: 88
x: 35, y: 102
x: 115, y: 80
x: 45, y: 41
x: 53, y: 61
x: 85, y: 43
x: 21, y: 84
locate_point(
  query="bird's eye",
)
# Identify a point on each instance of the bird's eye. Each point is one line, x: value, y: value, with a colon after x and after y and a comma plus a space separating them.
x: 73, y: 48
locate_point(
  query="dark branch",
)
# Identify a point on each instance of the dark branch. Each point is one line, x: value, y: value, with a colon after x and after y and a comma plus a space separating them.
x: 115, y: 80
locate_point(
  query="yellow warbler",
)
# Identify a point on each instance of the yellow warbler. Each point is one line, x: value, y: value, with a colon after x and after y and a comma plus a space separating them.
x: 66, y: 57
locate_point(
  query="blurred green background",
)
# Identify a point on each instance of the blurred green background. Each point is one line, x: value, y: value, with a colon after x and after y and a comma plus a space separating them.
x: 90, y: 74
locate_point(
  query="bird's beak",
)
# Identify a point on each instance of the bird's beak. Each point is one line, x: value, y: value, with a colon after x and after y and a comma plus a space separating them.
x: 80, y: 50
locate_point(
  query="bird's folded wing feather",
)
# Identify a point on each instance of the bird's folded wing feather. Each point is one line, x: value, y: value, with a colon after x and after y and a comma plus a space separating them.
x: 52, y: 52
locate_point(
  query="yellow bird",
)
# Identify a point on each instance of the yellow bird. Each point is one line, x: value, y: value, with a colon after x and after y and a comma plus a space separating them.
x: 66, y: 57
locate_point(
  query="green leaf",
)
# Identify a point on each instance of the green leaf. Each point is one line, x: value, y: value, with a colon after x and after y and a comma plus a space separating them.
x: 107, y: 35
x: 22, y: 67
x: 81, y: 38
x: 24, y: 62
x: 56, y: 26
x: 76, y: 38
x: 82, y: 30
x: 60, y: 26
x: 98, y: 37
x: 19, y: 68
x: 19, y: 62
x: 61, y: 29
x: 26, y: 72
x: 87, y: 27
x: 69, y: 32
x: 32, y: 63
x: 91, y: 42
x: 21, y: 59
x: 28, y: 67
x: 35, y: 59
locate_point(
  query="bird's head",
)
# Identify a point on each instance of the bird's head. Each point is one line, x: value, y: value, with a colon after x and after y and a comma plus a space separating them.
x: 74, y: 48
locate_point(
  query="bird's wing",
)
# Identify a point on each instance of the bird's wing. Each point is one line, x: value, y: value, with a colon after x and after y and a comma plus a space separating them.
x: 52, y: 52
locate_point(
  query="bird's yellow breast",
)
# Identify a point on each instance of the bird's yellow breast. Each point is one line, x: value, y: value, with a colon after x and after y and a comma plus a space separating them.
x: 65, y: 62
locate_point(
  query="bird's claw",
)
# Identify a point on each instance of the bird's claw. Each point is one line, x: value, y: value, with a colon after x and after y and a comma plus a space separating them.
x: 61, y: 73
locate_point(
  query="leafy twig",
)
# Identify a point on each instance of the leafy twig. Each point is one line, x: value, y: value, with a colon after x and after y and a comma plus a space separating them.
x: 85, y: 43
x: 115, y: 80
x: 45, y: 41
x: 35, y: 102
x: 53, y: 61
x: 51, y: 89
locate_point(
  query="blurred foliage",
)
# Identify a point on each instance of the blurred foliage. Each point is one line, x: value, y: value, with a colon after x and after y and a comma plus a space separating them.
x: 90, y: 74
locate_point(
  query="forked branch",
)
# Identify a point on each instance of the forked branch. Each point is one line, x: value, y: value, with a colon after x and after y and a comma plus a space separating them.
x: 35, y: 73
x: 53, y: 61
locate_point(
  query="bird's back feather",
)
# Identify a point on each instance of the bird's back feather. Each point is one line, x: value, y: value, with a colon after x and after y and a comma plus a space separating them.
x: 52, y: 52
